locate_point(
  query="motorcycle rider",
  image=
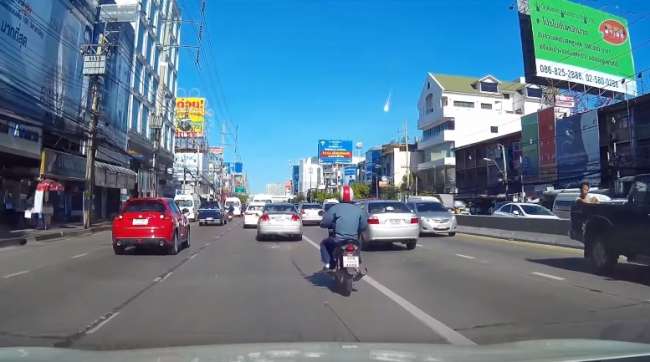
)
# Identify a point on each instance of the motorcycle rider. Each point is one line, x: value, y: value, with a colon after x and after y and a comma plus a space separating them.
x: 346, y: 220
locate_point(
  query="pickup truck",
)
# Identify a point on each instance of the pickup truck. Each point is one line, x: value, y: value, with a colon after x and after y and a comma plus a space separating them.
x: 210, y: 213
x: 611, y: 229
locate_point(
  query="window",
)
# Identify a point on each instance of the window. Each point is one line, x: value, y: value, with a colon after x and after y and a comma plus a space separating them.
x: 137, y: 82
x: 506, y: 96
x: 444, y: 101
x: 429, y: 103
x: 428, y: 85
x: 387, y: 207
x: 463, y: 104
x: 489, y: 87
x: 536, y: 210
x: 534, y: 92
x: 135, y: 111
x: 144, y: 206
x: 145, y: 122
x: 486, y: 106
x: 432, y: 132
x: 494, y: 129
x: 430, y: 206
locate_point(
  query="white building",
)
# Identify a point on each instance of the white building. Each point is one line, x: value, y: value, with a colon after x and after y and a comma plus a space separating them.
x: 456, y: 111
x: 396, y: 162
x: 153, y: 83
x: 310, y: 175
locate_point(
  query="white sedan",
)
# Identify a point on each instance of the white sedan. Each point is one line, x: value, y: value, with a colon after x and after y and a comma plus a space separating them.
x: 280, y: 219
x: 524, y: 210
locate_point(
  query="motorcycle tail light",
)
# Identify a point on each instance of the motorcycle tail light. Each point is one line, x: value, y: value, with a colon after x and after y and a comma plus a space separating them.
x: 350, y: 247
x: 295, y: 217
x: 264, y: 217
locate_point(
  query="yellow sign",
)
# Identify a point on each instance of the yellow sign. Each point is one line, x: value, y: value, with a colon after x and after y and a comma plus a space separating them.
x: 190, y: 117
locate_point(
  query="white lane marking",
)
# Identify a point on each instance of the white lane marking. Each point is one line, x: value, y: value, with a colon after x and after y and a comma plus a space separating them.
x: 208, y: 244
x: 78, y: 255
x: 157, y: 279
x: 193, y: 256
x: 423, y: 247
x: 7, y: 248
x: 16, y: 274
x: 465, y: 256
x: 547, y: 276
x: 97, y: 327
x: 166, y: 276
x: 435, y: 325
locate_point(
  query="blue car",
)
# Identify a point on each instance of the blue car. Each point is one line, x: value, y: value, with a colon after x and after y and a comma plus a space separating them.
x: 211, y: 213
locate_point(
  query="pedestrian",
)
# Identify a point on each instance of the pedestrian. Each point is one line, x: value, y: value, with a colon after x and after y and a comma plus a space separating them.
x: 584, y: 194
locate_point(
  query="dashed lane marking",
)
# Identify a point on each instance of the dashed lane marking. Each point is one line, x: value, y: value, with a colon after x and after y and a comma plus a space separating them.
x: 78, y: 255
x: 465, y: 256
x: 16, y: 274
x: 549, y: 276
x: 102, y: 323
x: 435, y: 325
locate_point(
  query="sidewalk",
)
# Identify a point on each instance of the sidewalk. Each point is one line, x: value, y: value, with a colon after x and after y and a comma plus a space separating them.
x: 539, y: 238
x: 16, y: 237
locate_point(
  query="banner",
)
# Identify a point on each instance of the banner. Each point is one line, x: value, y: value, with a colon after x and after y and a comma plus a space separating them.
x: 578, y: 151
x: 547, y: 164
x: 530, y: 147
x: 190, y: 117
x: 239, y: 167
x: 575, y: 43
x: 335, y: 151
x: 40, y: 60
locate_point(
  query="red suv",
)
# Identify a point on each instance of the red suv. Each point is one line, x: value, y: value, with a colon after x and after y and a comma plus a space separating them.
x: 150, y: 222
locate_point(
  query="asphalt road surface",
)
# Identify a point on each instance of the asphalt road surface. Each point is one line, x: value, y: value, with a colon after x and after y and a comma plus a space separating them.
x: 229, y: 288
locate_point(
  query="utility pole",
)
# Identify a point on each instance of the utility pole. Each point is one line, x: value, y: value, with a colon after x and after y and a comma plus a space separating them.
x: 95, y: 68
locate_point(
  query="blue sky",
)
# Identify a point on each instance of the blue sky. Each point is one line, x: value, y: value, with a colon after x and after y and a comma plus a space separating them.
x: 293, y: 72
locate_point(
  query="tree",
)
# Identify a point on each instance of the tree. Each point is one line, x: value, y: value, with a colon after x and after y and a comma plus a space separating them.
x: 388, y: 193
x: 361, y: 190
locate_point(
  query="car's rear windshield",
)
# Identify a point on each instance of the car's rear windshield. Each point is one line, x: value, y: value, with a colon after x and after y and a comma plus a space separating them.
x: 143, y: 206
x: 311, y: 206
x: 536, y: 210
x: 430, y: 206
x: 184, y: 203
x: 385, y: 207
x: 275, y: 208
x: 209, y: 205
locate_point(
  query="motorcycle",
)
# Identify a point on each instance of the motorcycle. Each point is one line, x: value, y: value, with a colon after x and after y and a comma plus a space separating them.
x: 347, y: 265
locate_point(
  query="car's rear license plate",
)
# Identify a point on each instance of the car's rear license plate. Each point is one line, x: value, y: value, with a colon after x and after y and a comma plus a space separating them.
x: 395, y: 221
x: 140, y: 221
x: 209, y: 218
x: 350, y: 261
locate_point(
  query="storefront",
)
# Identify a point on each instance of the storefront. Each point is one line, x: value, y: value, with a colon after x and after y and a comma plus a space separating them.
x: 112, y: 185
x: 20, y: 146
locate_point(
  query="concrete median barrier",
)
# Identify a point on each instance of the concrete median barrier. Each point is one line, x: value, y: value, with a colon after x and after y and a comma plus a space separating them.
x: 544, y: 226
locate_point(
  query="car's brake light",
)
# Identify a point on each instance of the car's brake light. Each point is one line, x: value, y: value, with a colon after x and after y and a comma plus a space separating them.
x: 264, y: 217
x: 295, y: 217
x: 373, y: 220
x: 414, y: 220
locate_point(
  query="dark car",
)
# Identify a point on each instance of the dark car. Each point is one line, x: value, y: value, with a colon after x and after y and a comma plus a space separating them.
x: 611, y: 229
x: 211, y: 213
x: 153, y: 222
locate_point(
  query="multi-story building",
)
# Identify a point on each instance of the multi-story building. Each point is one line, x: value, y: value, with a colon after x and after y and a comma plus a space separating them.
x: 458, y: 110
x: 397, y: 161
x: 153, y: 84
x: 310, y: 176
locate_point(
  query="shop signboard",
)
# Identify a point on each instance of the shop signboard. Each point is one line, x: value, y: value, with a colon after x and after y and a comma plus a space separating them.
x: 190, y: 117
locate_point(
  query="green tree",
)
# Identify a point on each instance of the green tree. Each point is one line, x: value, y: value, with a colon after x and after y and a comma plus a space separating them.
x: 361, y: 190
x: 388, y: 193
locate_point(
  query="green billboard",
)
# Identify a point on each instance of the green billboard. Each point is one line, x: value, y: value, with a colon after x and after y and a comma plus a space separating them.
x: 577, y: 44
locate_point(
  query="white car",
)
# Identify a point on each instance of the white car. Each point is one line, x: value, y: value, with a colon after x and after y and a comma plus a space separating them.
x: 311, y: 214
x: 524, y: 210
x: 235, y: 203
x: 281, y: 219
x: 252, y: 214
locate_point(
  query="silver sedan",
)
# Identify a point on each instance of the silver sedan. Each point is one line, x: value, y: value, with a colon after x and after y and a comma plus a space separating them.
x: 390, y: 221
x: 434, y: 218
x: 281, y: 220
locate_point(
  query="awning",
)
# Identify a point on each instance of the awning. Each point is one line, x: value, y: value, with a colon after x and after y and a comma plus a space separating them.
x: 111, y: 176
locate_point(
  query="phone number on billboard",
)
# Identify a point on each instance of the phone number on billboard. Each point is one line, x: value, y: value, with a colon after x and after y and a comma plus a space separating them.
x: 577, y: 76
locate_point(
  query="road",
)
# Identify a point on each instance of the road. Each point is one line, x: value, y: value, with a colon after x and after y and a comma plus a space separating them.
x: 228, y: 288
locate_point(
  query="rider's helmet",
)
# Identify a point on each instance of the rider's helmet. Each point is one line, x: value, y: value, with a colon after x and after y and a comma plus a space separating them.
x: 346, y: 194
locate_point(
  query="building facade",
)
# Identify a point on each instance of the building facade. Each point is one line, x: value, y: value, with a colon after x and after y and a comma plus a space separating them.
x: 153, y: 84
x: 456, y: 110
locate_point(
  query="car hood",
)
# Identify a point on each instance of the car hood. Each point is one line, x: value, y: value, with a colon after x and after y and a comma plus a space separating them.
x: 435, y: 214
x: 540, y: 350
